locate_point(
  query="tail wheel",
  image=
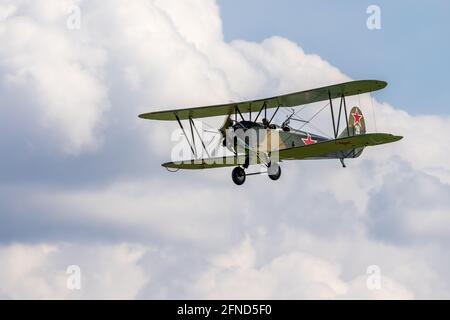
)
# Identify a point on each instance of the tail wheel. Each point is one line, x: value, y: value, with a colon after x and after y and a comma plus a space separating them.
x: 238, y: 176
x: 274, y: 171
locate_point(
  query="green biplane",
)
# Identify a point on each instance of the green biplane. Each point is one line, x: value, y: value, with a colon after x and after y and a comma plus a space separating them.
x: 267, y: 144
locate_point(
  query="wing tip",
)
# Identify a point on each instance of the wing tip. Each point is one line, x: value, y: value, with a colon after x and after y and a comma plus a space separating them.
x: 168, y: 165
x: 379, y: 84
x: 160, y: 116
x: 384, y: 138
x: 383, y: 84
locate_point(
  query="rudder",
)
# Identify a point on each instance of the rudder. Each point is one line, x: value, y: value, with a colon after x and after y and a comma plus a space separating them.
x: 356, y: 126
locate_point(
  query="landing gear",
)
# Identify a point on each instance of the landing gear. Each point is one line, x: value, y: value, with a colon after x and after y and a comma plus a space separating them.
x: 274, y: 171
x: 238, y: 176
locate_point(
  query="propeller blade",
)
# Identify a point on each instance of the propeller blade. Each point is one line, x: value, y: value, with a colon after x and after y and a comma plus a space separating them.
x: 228, y: 122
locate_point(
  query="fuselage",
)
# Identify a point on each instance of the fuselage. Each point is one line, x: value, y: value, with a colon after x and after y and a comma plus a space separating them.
x: 260, y: 137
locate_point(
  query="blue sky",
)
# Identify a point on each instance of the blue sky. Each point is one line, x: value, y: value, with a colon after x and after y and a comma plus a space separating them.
x: 411, y: 51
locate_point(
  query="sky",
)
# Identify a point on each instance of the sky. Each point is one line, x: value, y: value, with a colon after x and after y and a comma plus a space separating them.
x: 409, y: 51
x: 86, y: 211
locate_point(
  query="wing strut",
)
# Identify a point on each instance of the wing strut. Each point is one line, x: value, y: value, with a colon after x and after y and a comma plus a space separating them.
x: 193, y: 137
x: 276, y: 111
x: 332, y: 115
x: 343, y: 105
x: 346, y: 113
x: 199, y: 137
x: 236, y: 113
x: 187, y: 139
x: 192, y: 144
x: 264, y: 107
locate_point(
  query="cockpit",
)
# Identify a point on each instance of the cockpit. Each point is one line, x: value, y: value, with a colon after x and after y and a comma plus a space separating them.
x: 245, y: 125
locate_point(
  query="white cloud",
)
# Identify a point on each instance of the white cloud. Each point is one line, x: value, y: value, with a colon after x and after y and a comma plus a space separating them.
x: 6, y: 10
x: 58, y: 75
x: 153, y: 209
x: 291, y: 276
x: 410, y: 206
x: 125, y: 271
x: 39, y: 271
x: 312, y: 235
x: 295, y: 275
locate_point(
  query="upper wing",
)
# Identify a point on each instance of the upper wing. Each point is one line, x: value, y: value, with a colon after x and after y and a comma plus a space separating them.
x: 289, y: 100
x: 335, y: 146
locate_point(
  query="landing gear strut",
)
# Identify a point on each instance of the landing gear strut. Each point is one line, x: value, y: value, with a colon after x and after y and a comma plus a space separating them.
x: 239, y: 175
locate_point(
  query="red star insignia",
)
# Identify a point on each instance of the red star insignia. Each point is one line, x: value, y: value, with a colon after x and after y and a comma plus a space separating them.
x: 308, y: 141
x: 357, y: 117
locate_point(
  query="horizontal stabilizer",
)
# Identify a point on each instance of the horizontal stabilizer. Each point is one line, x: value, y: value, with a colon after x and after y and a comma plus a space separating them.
x: 341, y: 145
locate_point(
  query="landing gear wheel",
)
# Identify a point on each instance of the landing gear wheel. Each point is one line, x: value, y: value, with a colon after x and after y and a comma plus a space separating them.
x: 274, y: 171
x: 238, y: 176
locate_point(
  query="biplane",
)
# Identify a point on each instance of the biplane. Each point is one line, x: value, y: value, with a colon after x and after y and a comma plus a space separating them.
x: 253, y: 142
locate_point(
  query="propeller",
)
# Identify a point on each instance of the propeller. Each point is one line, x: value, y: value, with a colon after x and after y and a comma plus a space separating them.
x: 223, y: 130
x: 228, y: 123
x: 219, y: 134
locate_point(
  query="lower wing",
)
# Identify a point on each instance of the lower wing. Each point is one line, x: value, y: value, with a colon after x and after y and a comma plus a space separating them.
x: 209, y: 163
x: 317, y: 150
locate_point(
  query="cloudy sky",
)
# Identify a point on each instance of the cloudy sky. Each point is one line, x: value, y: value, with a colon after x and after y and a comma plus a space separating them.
x: 80, y: 176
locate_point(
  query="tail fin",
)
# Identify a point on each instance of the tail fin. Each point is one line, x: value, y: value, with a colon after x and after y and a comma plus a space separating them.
x: 356, y: 126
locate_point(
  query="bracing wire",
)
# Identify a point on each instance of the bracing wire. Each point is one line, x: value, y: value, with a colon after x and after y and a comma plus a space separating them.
x: 210, y: 127
x: 320, y: 131
x: 374, y: 114
x: 308, y: 122
x: 210, y: 142
x: 314, y: 116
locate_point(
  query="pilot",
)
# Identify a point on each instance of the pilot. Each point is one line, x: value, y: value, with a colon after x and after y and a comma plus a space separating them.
x: 286, y: 128
x: 267, y: 124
